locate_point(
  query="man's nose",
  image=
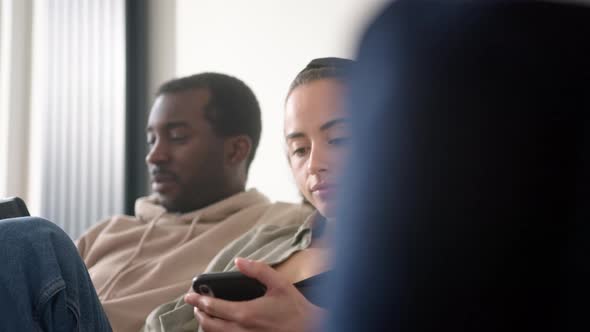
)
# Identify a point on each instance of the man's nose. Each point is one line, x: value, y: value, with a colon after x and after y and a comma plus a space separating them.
x: 158, y: 153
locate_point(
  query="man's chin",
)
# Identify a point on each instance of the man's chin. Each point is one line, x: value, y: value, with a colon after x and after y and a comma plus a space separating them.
x: 168, y: 202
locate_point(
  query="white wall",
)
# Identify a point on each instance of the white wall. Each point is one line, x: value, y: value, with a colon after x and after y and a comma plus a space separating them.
x: 265, y: 43
x: 161, y: 44
x: 15, y: 69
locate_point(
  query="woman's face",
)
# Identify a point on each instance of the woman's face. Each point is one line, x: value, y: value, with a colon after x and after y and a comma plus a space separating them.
x: 317, y: 135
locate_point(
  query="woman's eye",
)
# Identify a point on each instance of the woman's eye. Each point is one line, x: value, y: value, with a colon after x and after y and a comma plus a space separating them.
x: 341, y: 141
x: 299, y: 152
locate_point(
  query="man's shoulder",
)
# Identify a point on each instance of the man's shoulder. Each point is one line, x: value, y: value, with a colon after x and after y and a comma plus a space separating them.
x: 283, y: 213
x: 110, y: 222
x: 88, y: 238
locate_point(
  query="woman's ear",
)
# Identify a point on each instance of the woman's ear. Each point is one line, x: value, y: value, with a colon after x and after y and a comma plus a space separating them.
x: 237, y: 149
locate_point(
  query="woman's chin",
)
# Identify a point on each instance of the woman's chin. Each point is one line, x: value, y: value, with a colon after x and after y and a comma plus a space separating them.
x: 327, y: 209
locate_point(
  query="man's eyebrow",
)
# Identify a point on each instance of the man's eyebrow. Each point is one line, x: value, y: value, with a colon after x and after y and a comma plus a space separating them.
x: 170, y: 125
x: 332, y: 123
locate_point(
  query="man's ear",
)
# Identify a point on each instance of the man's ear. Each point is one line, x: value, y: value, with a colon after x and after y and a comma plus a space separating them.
x: 237, y: 149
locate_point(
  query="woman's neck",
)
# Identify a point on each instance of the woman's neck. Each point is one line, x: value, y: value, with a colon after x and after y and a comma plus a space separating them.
x: 322, y: 231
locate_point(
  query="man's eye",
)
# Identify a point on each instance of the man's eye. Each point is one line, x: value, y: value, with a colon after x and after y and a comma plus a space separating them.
x: 341, y: 141
x: 178, y: 137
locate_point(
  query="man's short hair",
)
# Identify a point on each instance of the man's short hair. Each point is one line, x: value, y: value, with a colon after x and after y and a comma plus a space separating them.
x: 232, y: 109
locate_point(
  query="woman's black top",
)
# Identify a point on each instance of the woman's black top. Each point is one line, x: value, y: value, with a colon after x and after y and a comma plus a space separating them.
x: 312, y: 288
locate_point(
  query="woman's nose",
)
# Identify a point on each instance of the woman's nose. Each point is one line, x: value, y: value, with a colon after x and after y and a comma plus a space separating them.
x: 317, y: 161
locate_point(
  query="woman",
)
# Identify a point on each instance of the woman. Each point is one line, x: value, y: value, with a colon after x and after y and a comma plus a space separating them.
x: 316, y: 136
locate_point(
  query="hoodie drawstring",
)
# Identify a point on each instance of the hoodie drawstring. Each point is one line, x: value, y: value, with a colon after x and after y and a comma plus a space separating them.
x: 190, y: 232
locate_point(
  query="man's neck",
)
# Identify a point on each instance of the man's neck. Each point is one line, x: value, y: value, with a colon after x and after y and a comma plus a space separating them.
x: 213, y: 199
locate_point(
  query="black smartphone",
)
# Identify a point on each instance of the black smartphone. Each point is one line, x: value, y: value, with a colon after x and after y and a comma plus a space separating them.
x: 13, y: 207
x: 231, y: 286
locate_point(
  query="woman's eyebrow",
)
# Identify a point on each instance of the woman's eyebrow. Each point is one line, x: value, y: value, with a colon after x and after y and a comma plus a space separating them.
x: 294, y: 135
x: 323, y: 127
x: 332, y: 123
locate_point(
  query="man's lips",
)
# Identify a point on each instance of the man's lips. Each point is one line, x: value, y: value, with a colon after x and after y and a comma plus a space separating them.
x: 163, y: 181
x: 163, y: 177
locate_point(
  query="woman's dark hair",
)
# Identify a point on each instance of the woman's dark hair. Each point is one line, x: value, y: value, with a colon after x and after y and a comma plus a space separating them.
x: 321, y: 68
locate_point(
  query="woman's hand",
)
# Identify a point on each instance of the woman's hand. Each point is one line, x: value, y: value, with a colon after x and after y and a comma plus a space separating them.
x: 282, y: 308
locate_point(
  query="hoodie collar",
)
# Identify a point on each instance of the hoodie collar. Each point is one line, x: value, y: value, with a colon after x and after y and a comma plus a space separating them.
x: 147, y: 208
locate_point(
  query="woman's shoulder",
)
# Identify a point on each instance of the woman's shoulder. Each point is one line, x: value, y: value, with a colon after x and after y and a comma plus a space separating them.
x: 266, y: 242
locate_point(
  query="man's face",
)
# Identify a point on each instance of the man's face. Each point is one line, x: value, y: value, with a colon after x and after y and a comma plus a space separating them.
x: 186, y: 157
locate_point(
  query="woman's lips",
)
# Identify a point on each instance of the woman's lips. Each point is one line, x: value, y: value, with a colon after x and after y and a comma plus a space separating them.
x: 324, y: 192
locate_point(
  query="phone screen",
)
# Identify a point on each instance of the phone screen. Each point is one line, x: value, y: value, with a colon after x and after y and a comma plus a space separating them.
x: 231, y: 286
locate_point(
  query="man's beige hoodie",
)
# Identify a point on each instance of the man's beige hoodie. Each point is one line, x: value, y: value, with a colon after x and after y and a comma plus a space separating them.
x: 138, y: 263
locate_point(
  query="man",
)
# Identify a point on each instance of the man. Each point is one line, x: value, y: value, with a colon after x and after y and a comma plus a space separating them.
x: 202, y: 132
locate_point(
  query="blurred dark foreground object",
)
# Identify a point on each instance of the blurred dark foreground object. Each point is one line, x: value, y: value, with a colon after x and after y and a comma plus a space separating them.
x: 13, y: 207
x: 467, y: 198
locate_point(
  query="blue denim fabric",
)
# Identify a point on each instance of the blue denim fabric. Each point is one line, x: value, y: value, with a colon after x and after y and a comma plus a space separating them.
x: 44, y: 284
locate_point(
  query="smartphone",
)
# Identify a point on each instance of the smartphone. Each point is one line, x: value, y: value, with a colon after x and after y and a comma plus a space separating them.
x: 13, y: 207
x: 231, y: 286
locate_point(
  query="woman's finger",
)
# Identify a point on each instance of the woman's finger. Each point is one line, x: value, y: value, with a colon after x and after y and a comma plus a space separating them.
x: 226, y: 310
x: 213, y: 324
x: 261, y: 272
